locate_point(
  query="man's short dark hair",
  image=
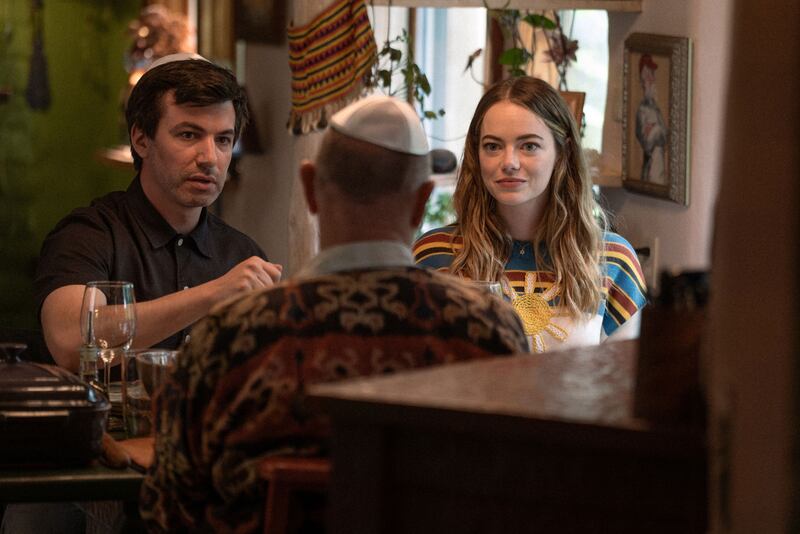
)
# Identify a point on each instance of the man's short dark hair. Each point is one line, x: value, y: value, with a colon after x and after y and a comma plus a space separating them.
x: 195, y: 82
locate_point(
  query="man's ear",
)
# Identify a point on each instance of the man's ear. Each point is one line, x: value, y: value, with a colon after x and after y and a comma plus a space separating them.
x: 140, y: 141
x: 308, y: 172
x: 421, y: 196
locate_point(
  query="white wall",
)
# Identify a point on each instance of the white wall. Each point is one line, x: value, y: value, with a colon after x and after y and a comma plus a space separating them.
x: 259, y: 203
x: 684, y: 232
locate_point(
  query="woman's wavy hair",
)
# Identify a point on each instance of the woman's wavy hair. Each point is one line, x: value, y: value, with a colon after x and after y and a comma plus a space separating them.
x: 571, y: 229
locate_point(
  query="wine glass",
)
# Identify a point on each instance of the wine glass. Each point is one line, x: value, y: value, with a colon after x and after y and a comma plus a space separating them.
x: 108, y: 320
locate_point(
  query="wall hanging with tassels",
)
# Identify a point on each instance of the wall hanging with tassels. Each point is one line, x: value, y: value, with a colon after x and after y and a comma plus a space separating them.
x: 331, y: 59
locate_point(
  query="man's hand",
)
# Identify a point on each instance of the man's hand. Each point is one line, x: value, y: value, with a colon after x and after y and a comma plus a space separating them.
x: 252, y: 273
x: 156, y: 319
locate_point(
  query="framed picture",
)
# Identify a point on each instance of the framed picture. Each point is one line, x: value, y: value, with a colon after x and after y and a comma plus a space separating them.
x: 656, y: 110
x: 261, y: 21
x: 574, y: 101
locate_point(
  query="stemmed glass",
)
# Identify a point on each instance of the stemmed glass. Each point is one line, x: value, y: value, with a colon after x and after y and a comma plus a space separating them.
x: 108, y: 320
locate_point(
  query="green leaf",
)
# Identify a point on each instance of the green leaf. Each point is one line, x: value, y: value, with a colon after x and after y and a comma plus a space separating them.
x: 512, y: 56
x: 424, y: 85
x: 395, y: 54
x: 441, y: 112
x: 385, y: 77
x: 430, y: 115
x: 540, y: 21
x: 516, y: 73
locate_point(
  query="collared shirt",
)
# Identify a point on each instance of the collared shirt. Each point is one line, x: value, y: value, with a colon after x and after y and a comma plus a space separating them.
x: 360, y: 255
x: 121, y: 236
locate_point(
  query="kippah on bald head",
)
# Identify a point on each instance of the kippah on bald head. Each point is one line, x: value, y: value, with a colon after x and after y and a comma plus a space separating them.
x: 383, y: 121
x: 374, y: 148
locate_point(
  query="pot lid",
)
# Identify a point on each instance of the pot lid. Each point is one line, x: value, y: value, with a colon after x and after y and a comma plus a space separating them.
x: 35, y: 386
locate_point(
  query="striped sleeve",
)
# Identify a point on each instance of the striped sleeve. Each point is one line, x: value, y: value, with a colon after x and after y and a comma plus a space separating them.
x: 435, y: 249
x: 624, y: 283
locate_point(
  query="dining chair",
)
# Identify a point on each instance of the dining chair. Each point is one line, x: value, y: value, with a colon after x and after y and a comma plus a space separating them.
x: 285, y: 477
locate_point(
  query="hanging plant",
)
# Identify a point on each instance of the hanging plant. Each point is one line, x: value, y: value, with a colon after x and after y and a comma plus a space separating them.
x: 414, y: 81
x: 518, y: 56
x: 561, y: 50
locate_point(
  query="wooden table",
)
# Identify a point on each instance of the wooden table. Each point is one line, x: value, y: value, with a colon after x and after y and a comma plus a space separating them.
x: 530, y: 443
x: 94, y: 482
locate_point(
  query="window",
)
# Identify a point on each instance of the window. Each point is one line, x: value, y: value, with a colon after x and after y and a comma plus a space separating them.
x: 590, y: 73
x: 444, y: 39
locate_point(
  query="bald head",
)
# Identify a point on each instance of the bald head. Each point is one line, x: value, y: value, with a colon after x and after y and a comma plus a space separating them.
x: 371, y: 177
x: 365, y: 172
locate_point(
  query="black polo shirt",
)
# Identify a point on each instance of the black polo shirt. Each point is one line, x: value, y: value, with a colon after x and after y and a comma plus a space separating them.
x: 121, y: 236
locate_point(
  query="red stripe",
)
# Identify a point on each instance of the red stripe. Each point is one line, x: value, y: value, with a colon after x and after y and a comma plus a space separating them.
x: 633, y: 260
x: 298, y: 31
x: 442, y: 238
x: 622, y: 298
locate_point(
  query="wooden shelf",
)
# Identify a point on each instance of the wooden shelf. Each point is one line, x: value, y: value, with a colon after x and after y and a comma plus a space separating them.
x: 118, y: 156
x: 630, y: 6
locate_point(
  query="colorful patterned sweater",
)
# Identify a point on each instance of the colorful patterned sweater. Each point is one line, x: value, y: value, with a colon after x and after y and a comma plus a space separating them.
x: 237, y: 393
x: 546, y: 326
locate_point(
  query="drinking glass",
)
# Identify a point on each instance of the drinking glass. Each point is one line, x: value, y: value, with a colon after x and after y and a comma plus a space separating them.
x: 108, y: 320
x: 493, y: 288
x: 144, y: 371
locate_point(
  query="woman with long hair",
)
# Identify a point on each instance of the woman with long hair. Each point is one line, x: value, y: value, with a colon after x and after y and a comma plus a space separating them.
x: 527, y: 218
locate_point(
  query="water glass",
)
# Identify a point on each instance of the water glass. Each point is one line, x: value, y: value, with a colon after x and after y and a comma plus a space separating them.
x: 144, y: 371
x: 493, y: 288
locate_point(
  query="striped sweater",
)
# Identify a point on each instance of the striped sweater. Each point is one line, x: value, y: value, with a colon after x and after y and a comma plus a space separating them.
x: 623, y: 281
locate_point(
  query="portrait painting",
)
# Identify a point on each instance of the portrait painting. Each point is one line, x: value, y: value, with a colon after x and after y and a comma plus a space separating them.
x: 656, y: 106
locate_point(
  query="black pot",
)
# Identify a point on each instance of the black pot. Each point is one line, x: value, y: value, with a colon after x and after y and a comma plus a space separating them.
x: 48, y: 416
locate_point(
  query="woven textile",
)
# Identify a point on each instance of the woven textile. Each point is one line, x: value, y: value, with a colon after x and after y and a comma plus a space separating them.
x: 238, y: 392
x: 331, y: 59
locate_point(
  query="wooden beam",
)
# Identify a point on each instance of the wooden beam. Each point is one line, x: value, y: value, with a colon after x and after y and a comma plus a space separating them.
x: 631, y: 6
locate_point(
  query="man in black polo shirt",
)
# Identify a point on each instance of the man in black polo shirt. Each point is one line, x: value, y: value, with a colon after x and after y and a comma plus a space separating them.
x: 184, y: 116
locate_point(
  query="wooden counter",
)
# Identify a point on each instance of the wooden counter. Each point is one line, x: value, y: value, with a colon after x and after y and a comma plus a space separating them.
x: 530, y: 443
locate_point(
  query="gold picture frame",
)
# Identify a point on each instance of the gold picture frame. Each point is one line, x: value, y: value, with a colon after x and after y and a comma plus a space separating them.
x: 655, y: 121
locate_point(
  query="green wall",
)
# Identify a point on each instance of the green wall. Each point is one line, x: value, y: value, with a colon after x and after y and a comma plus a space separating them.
x: 48, y: 159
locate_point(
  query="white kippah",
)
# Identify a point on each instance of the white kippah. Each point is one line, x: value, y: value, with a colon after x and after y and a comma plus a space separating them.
x: 383, y: 121
x: 180, y: 56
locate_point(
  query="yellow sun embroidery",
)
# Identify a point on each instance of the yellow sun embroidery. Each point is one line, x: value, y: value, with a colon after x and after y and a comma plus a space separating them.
x: 535, y: 312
